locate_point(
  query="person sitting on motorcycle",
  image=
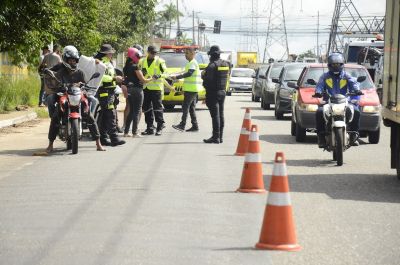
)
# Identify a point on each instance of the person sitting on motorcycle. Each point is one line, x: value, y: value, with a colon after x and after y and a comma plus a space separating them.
x: 68, y: 73
x: 337, y: 81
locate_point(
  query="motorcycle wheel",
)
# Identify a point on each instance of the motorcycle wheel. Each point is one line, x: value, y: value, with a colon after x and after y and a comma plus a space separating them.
x: 74, y: 135
x: 339, y: 146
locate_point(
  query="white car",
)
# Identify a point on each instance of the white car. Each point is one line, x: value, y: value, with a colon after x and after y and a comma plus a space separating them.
x: 241, y: 80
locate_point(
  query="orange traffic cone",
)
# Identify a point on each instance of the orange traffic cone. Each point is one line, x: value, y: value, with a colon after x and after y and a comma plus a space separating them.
x: 244, y: 134
x: 278, y: 230
x: 252, y: 177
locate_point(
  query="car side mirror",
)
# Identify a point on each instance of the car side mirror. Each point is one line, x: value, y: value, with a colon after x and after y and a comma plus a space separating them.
x: 361, y: 78
x: 253, y: 76
x: 311, y: 82
x: 293, y: 85
x: 262, y: 77
x: 275, y: 80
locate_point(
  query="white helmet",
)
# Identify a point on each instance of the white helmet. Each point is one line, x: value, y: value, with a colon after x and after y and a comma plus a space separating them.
x: 68, y: 53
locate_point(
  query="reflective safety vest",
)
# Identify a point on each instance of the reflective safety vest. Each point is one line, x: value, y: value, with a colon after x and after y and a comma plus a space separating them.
x: 108, y: 78
x: 192, y: 83
x: 153, y: 69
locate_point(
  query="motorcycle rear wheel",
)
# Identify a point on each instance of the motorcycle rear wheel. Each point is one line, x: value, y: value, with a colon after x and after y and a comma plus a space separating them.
x: 74, y: 135
x: 338, y: 151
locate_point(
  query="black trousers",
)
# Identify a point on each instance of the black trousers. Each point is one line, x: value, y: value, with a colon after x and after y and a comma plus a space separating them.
x: 107, y: 116
x: 135, y: 98
x: 189, y: 106
x: 215, y: 103
x: 153, y: 108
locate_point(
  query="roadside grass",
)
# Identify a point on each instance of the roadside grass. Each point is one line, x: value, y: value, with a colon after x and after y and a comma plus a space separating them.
x: 41, y: 112
x: 14, y: 92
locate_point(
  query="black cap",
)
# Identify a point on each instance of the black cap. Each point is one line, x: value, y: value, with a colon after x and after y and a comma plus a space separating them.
x: 106, y: 49
x: 214, y: 50
x: 152, y: 49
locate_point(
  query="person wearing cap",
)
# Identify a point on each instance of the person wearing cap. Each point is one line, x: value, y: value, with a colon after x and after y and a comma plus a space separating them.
x: 215, y: 78
x: 191, y: 85
x: 153, y: 66
x: 106, y: 95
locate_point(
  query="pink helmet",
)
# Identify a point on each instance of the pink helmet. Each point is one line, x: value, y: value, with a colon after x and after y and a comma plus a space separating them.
x: 134, y: 54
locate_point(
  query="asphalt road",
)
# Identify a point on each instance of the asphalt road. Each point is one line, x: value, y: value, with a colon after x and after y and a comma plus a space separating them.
x: 171, y: 199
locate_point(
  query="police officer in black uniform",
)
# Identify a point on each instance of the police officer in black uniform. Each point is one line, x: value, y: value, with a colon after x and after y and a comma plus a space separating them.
x: 215, y: 78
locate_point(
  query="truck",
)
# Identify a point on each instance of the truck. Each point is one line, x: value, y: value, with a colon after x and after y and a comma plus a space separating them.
x: 244, y: 59
x: 391, y: 81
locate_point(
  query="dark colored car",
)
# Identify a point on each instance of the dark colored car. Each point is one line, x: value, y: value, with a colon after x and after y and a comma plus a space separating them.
x: 258, y: 82
x: 283, y: 93
x: 304, y: 105
x: 268, y: 87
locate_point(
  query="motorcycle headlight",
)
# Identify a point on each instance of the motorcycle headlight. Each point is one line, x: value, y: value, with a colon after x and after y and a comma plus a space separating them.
x: 309, y: 107
x: 370, y: 109
x: 338, y: 109
x: 74, y: 100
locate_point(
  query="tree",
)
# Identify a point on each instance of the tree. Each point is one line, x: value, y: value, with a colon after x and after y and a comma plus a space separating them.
x: 170, y: 14
x: 308, y: 53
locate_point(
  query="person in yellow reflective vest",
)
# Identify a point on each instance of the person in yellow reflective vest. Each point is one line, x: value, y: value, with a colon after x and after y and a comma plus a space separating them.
x: 153, y: 66
x: 106, y: 95
x: 191, y: 85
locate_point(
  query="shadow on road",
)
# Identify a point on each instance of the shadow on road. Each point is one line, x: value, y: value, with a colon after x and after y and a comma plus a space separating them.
x: 31, y: 152
x: 358, y: 187
x: 287, y: 139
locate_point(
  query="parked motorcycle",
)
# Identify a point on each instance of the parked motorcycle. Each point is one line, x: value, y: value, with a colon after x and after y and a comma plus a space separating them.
x: 71, y: 103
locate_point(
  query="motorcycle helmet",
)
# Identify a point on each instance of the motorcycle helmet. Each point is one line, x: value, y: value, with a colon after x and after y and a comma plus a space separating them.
x: 70, y: 52
x: 335, y: 63
x: 139, y: 47
x: 134, y: 54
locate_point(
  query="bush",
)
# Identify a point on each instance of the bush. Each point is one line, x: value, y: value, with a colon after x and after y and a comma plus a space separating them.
x: 14, y: 92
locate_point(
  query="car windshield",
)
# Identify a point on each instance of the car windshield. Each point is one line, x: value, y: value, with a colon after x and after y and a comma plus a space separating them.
x: 242, y: 72
x: 293, y: 72
x: 275, y: 71
x: 202, y: 58
x: 315, y: 73
x: 174, y: 60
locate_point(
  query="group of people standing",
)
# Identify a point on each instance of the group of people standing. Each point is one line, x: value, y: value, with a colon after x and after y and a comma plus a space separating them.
x: 143, y: 83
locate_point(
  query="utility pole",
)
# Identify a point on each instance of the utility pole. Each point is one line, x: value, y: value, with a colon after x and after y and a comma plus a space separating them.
x: 318, y: 36
x: 198, y: 32
x: 194, y: 40
x: 276, y: 36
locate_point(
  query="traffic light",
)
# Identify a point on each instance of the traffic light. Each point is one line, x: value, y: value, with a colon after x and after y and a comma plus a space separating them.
x: 217, y: 26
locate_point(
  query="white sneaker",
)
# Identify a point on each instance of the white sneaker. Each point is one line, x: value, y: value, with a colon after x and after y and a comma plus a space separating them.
x: 137, y: 135
x: 127, y: 135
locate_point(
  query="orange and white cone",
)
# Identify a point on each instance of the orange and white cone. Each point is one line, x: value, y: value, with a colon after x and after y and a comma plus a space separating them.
x: 244, y: 134
x: 252, y: 176
x: 278, y: 229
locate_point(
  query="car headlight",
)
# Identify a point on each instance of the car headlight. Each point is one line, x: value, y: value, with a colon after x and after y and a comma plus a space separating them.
x: 285, y: 93
x: 309, y: 107
x: 370, y: 109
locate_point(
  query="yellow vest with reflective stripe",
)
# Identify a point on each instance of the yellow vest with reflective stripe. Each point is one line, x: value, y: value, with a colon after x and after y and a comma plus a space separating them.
x: 153, y: 69
x: 193, y: 82
x: 108, y: 77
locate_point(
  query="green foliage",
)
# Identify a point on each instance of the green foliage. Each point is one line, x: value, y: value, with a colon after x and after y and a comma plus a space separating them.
x: 308, y: 53
x: 18, y: 92
x: 166, y: 17
x: 25, y: 26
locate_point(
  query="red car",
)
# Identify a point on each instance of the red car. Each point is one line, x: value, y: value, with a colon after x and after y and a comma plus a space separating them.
x: 304, y: 105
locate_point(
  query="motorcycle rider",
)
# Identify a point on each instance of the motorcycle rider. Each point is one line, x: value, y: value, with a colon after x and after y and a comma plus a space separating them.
x: 337, y: 81
x: 68, y: 73
x: 106, y: 94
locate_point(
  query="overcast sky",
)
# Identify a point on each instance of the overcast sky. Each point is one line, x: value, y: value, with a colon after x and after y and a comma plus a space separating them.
x: 301, y: 17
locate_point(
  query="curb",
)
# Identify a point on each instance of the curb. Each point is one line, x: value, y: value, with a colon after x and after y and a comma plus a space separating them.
x: 23, y: 118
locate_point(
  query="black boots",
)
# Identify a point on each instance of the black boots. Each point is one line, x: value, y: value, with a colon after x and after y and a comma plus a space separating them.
x: 212, y: 140
x: 148, y: 131
x: 321, y: 141
x: 179, y: 127
x: 353, y: 139
x: 160, y: 127
x: 194, y: 128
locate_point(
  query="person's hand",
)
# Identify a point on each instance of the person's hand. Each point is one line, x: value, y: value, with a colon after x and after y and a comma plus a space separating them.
x: 119, y: 79
x: 317, y: 95
x: 155, y: 77
x: 358, y: 93
x: 124, y: 90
